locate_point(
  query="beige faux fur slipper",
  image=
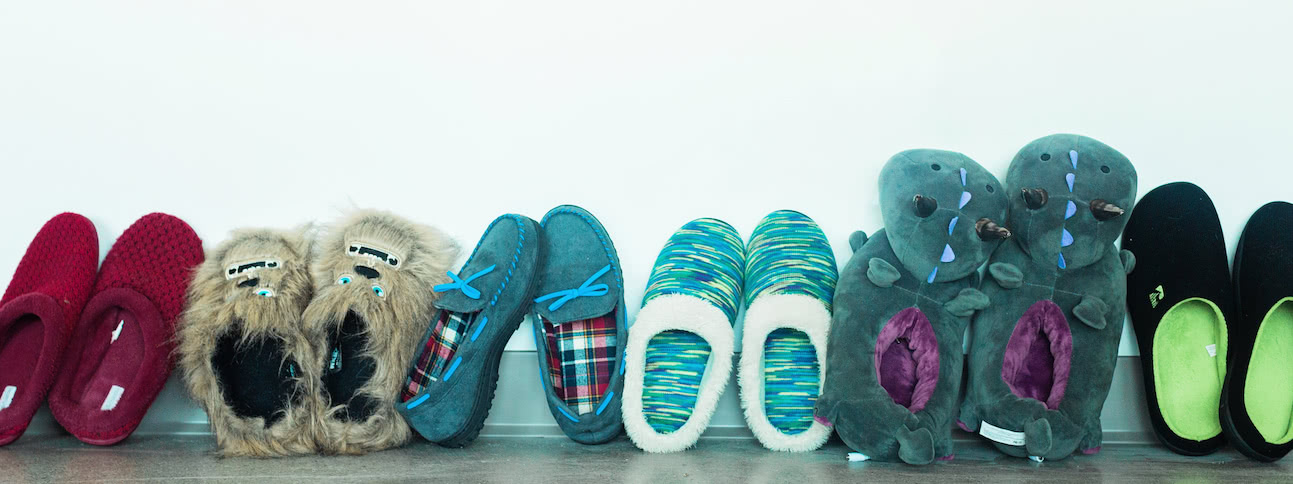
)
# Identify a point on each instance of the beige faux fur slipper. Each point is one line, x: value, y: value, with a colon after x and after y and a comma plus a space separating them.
x: 242, y: 350
x: 373, y: 277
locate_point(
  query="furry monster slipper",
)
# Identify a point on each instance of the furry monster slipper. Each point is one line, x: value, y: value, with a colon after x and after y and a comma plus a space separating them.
x: 904, y: 299
x: 37, y: 313
x: 789, y: 282
x: 1257, y: 400
x: 450, y: 385
x: 1042, y: 356
x: 373, y: 278
x: 243, y: 351
x: 1179, y: 301
x: 121, y: 351
x: 679, y: 353
x: 579, y: 327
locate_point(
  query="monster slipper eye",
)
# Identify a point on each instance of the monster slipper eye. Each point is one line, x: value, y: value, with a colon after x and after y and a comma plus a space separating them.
x: 379, y: 291
x: 1103, y: 210
x: 1035, y: 198
x: 265, y: 292
x: 345, y: 279
x: 925, y: 206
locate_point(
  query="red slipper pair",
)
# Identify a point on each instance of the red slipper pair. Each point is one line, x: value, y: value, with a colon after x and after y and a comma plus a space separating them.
x: 102, y: 363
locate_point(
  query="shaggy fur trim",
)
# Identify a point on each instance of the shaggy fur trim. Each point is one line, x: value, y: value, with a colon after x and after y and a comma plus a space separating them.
x: 686, y: 313
x: 768, y: 314
x: 395, y: 322
x: 216, y: 303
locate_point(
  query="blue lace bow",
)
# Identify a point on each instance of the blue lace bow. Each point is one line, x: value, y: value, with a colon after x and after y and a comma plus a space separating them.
x: 585, y: 289
x: 462, y: 284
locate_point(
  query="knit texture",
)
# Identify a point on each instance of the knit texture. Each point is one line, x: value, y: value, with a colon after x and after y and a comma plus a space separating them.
x: 59, y: 263
x: 705, y: 259
x: 791, y: 379
x: 154, y: 259
x: 789, y: 254
x: 675, y: 365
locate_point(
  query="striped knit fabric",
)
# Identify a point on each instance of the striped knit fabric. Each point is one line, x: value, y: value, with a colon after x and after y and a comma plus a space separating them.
x: 705, y: 258
x: 675, y: 364
x: 790, y: 380
x: 789, y: 254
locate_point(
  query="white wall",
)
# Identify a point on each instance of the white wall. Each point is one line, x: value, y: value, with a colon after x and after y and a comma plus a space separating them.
x: 233, y: 114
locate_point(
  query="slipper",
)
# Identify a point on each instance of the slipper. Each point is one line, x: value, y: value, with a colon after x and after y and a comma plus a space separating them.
x: 579, y: 327
x: 1042, y: 356
x: 679, y: 353
x: 37, y: 314
x: 1257, y: 400
x: 243, y: 352
x: 789, y: 283
x: 904, y: 299
x: 450, y: 385
x: 1179, y: 303
x: 373, y: 273
x: 121, y: 351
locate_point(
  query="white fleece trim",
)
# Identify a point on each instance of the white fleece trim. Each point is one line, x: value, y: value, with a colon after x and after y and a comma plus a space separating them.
x: 767, y: 314
x: 676, y: 312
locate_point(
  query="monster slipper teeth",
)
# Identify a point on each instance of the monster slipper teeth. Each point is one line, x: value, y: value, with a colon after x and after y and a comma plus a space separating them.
x: 39, y: 309
x: 903, y: 300
x: 373, y: 277
x: 449, y: 385
x: 244, y: 355
x: 1257, y: 399
x: 121, y: 351
x: 579, y: 325
x: 789, y: 282
x: 1179, y: 310
x: 679, y: 354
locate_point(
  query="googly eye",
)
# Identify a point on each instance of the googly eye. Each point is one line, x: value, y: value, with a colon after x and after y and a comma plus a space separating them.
x: 265, y: 292
x: 344, y: 279
x: 379, y: 291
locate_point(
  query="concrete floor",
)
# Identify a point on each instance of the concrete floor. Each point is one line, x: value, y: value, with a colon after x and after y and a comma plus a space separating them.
x: 168, y: 458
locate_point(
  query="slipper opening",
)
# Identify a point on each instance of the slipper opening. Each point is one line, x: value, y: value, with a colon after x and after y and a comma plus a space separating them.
x: 436, y: 361
x: 581, y: 361
x: 1268, y: 388
x: 255, y: 376
x: 1039, y: 354
x: 348, y: 368
x: 20, y: 346
x: 671, y: 382
x: 906, y: 359
x: 109, y: 361
x: 791, y: 380
x: 1190, y: 368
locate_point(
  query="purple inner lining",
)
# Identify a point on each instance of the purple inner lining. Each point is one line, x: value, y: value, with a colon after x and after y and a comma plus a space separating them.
x: 1039, y: 354
x: 906, y: 359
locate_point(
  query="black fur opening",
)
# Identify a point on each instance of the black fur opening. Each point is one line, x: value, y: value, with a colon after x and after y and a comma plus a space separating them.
x: 255, y: 377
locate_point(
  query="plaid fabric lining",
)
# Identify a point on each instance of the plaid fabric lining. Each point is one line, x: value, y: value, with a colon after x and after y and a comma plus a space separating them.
x: 441, y: 343
x: 581, y: 360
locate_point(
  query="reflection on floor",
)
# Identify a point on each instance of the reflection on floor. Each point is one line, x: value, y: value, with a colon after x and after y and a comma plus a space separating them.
x: 44, y: 458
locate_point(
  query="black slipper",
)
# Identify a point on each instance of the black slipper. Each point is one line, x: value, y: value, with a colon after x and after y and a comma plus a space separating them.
x: 1179, y: 305
x: 1257, y: 401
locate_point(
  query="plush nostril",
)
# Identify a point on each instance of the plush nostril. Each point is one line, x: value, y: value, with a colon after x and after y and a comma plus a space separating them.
x: 1103, y: 210
x: 250, y: 282
x: 989, y: 230
x: 1035, y: 198
x: 925, y: 206
x: 368, y: 272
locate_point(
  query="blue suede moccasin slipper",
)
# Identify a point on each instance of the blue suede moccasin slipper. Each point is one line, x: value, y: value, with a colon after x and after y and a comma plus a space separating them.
x: 450, y: 386
x: 789, y: 283
x: 579, y: 326
x: 679, y: 354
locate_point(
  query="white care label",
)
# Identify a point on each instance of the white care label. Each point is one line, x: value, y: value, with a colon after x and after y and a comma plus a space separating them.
x: 998, y: 434
x: 114, y: 396
x: 1211, y: 349
x: 7, y: 398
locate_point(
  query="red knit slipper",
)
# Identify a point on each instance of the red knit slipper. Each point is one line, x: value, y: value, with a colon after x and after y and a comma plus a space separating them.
x: 120, y: 354
x: 37, y: 313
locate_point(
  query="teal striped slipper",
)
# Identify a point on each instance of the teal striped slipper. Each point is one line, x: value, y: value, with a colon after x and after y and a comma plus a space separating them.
x: 679, y: 353
x: 789, y: 283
